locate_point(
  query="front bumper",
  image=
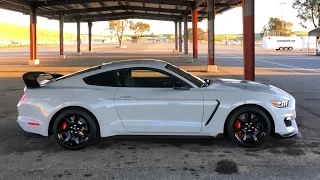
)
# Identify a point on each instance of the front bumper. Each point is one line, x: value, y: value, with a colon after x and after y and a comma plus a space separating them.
x: 284, y: 127
x: 291, y: 130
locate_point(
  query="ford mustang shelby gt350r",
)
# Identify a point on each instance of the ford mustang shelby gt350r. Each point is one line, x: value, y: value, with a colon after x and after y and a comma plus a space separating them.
x: 151, y: 97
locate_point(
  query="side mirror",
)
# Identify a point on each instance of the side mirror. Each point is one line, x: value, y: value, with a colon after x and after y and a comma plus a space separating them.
x: 180, y: 86
x: 207, y: 80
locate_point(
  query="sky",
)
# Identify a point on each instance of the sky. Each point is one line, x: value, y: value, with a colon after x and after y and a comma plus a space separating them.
x: 229, y: 22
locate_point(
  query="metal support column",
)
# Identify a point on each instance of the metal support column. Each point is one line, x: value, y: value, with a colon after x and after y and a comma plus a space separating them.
x: 248, y: 39
x: 175, y: 36
x: 33, y: 36
x: 185, y: 29
x: 211, y: 16
x: 61, y: 21
x: 180, y: 36
x: 90, y: 36
x: 78, y: 37
x: 195, y: 32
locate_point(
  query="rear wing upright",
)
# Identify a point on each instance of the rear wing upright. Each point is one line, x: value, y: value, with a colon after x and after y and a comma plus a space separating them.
x: 31, y: 78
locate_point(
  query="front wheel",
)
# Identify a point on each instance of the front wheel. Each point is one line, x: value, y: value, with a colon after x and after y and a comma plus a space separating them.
x: 249, y: 126
x: 74, y: 129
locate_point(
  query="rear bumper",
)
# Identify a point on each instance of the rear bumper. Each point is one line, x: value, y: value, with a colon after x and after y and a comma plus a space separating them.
x: 32, y: 130
x: 29, y: 134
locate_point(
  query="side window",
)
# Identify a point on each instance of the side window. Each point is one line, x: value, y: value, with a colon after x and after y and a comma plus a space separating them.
x: 147, y: 74
x: 147, y: 78
x: 102, y: 79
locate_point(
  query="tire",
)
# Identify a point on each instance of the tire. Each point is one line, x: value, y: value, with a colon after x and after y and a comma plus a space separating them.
x: 280, y: 48
x: 290, y: 48
x: 69, y: 127
x: 234, y: 124
x: 285, y: 48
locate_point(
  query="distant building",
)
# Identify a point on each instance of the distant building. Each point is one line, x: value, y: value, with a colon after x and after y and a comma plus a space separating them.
x: 97, y: 38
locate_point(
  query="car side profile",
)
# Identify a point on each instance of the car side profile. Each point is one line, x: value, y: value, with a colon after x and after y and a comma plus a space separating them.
x: 151, y: 97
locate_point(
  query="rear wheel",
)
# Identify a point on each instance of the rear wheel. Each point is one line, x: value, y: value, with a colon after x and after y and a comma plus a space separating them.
x: 290, y: 48
x: 74, y: 129
x: 249, y: 126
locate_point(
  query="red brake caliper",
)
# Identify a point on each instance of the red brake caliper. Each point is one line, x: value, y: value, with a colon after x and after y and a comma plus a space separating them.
x: 238, y: 125
x: 64, y: 126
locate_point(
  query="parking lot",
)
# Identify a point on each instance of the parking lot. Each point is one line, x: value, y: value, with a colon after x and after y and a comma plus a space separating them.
x: 159, y: 157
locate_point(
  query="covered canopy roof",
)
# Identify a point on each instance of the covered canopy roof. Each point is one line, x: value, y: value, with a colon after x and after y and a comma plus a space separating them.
x: 315, y: 32
x: 104, y: 10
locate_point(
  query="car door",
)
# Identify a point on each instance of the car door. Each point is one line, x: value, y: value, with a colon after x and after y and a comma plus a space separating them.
x: 147, y: 103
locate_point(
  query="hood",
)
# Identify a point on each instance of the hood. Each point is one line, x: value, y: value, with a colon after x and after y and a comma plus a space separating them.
x: 236, y: 85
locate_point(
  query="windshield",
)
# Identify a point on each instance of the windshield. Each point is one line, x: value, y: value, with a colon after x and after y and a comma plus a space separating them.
x: 194, y: 79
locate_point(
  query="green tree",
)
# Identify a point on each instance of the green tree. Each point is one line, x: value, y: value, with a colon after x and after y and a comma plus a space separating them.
x: 170, y: 37
x: 190, y: 34
x: 308, y: 11
x: 275, y: 24
x: 139, y: 28
x: 202, y: 34
x: 117, y: 27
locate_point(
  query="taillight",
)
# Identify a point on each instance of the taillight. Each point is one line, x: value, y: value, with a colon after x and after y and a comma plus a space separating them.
x: 33, y: 124
x: 23, y: 98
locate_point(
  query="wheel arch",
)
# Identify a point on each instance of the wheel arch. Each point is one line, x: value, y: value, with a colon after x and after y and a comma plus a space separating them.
x: 73, y: 107
x: 256, y: 105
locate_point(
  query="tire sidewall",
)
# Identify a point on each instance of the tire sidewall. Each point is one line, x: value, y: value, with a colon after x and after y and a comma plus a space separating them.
x: 89, y: 119
x: 238, y: 112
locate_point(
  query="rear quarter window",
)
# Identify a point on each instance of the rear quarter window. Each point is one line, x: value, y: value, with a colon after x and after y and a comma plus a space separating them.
x: 102, y: 79
x: 79, y: 72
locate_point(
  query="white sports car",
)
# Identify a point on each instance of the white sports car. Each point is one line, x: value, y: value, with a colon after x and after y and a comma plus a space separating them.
x: 151, y: 97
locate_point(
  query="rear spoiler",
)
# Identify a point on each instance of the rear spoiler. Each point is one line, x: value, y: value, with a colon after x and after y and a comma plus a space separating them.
x: 31, y: 78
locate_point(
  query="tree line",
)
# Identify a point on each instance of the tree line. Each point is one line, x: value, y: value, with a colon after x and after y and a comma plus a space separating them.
x: 118, y: 27
x: 308, y: 11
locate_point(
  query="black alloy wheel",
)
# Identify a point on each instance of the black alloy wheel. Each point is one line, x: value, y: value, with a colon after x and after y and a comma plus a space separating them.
x: 74, y: 129
x: 249, y: 126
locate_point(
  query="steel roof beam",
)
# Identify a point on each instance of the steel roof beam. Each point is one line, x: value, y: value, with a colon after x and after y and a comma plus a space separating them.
x: 144, y: 6
x: 104, y: 5
x: 112, y: 8
x: 199, y: 3
x: 132, y: 17
x: 55, y: 3
x: 122, y: 6
x: 17, y: 2
x: 130, y: 14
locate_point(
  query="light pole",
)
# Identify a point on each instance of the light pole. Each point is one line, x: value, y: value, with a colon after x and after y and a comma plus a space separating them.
x: 227, y: 38
x: 282, y: 3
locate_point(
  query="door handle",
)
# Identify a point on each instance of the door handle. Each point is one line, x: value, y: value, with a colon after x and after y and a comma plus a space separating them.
x: 126, y: 98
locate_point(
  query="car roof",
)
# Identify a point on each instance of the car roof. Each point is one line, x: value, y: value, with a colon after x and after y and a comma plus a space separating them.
x: 135, y: 62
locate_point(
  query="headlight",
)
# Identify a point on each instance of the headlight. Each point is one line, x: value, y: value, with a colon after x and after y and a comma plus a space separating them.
x: 280, y: 104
